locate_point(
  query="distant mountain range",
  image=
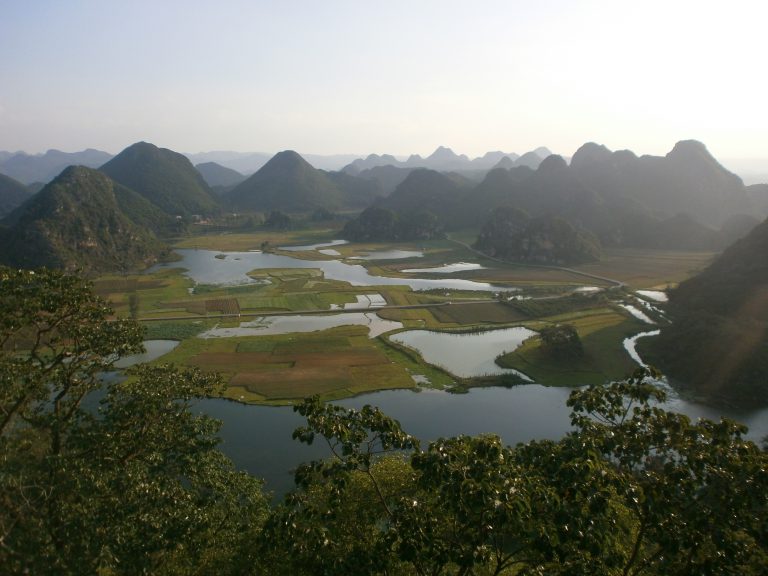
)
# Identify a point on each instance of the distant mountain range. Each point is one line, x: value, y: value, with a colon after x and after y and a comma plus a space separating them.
x: 218, y: 176
x: 29, y: 168
x: 446, y: 160
x: 684, y: 200
x: 291, y: 184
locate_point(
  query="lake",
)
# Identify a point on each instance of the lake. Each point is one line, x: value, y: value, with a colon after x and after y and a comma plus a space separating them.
x: 258, y: 438
x: 231, y: 268
x: 466, y: 355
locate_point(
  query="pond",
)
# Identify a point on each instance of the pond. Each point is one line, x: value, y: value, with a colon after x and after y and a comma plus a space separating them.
x: 231, y: 268
x: 389, y: 255
x: 446, y: 268
x: 258, y: 438
x: 466, y: 355
x: 268, y: 325
x: 656, y: 295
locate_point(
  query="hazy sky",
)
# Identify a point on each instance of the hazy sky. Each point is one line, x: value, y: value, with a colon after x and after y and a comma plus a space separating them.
x: 333, y: 76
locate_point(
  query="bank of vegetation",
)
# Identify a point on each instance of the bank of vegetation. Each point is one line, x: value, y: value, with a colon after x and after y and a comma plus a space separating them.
x: 139, y: 486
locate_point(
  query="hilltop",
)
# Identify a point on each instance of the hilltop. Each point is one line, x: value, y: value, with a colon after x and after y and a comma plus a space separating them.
x: 288, y: 183
x: 164, y: 177
x: 75, y: 222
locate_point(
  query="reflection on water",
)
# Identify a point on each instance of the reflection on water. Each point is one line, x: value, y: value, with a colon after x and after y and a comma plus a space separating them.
x: 466, y: 355
x: 630, y: 345
x: 203, y: 267
x: 446, y: 268
x: 389, y: 255
x: 656, y: 295
x: 268, y: 325
x: 258, y: 438
x: 637, y: 313
x: 154, y: 349
x: 310, y: 247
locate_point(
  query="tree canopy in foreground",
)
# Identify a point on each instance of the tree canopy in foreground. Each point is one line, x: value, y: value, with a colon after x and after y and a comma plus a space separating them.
x: 123, y: 477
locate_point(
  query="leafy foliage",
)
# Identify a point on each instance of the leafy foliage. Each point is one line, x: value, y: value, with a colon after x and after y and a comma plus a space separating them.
x: 136, y: 486
x: 561, y: 341
x: 382, y: 225
x: 546, y: 240
x: 633, y: 489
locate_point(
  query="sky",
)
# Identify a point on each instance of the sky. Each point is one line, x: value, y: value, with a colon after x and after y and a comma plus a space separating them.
x: 399, y: 77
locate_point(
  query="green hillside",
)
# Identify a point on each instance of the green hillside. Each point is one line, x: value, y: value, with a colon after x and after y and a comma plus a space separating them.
x: 165, y: 178
x: 75, y: 222
x: 717, y: 344
x: 12, y: 194
x: 510, y: 235
x: 287, y: 183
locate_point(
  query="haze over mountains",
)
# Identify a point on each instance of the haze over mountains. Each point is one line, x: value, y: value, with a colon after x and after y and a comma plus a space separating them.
x: 683, y: 200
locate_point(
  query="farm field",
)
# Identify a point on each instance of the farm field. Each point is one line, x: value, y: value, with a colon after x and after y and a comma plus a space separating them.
x: 343, y: 361
x: 332, y: 363
x: 657, y: 269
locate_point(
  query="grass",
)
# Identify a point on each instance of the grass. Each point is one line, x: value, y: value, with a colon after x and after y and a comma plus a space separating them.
x: 282, y: 369
x: 343, y: 361
x: 602, y: 332
x: 649, y: 268
x: 239, y: 242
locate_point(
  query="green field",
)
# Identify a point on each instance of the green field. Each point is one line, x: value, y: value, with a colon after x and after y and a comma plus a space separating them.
x: 281, y: 369
x: 602, y: 332
x: 343, y: 361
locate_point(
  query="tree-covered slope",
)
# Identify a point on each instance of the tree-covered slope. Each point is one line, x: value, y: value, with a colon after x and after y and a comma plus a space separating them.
x: 165, y: 178
x: 510, y: 235
x: 76, y: 222
x: 12, y: 194
x: 425, y: 190
x: 217, y: 175
x: 288, y: 183
x: 687, y: 180
x: 717, y: 344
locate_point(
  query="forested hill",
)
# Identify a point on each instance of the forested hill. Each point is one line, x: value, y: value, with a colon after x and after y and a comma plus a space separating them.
x: 289, y: 183
x: 718, y: 340
x: 684, y: 200
x: 12, y: 194
x: 76, y: 222
x: 165, y: 178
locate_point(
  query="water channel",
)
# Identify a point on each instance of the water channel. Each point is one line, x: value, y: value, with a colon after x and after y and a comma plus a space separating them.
x: 258, y: 438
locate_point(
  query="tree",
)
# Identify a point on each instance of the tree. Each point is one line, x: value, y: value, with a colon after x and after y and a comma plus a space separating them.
x: 278, y: 220
x: 135, y: 485
x: 633, y: 490
x: 561, y: 341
